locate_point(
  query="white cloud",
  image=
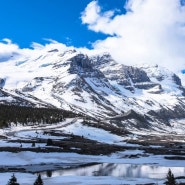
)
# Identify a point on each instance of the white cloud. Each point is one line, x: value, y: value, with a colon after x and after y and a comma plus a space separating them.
x: 7, y: 46
x: 95, y: 18
x: 7, y: 49
x: 53, y: 44
x: 11, y: 51
x: 6, y: 40
x: 37, y: 46
x: 51, y: 41
x: 91, y: 13
x: 151, y: 31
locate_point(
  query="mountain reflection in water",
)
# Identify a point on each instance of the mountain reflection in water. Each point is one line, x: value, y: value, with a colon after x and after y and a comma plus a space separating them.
x: 118, y: 170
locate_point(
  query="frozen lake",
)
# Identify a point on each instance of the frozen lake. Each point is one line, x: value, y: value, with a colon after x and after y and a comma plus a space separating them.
x: 106, y: 173
x: 118, y: 170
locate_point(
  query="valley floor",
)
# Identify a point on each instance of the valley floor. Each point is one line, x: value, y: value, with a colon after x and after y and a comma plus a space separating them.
x: 82, y: 154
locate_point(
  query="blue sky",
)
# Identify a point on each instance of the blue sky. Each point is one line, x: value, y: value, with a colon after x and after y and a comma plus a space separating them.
x: 132, y: 31
x: 27, y: 21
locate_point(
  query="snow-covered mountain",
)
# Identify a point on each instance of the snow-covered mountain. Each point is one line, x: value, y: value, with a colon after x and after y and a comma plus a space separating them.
x: 94, y: 85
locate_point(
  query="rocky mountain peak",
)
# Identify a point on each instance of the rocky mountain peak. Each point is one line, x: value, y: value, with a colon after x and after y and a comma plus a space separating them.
x: 80, y: 62
x: 96, y: 86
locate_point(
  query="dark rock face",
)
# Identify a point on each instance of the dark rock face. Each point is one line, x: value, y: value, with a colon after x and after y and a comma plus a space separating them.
x: 80, y: 63
x: 132, y: 78
x: 30, y: 87
x: 147, y: 86
x: 36, y: 82
x: 138, y: 78
x: 14, y: 100
x: 53, y: 50
x: 176, y: 79
x: 127, y: 76
x: 131, y: 114
x: 101, y: 60
x: 135, y: 74
x: 164, y: 115
x: 2, y: 82
x: 135, y: 119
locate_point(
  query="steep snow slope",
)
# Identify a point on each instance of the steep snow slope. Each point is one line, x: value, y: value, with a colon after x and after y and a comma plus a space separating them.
x: 142, y: 97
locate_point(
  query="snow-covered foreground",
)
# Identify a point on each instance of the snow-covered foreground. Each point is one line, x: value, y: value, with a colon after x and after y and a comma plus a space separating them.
x: 68, y: 127
x: 119, y: 171
x: 116, y: 168
x: 28, y: 179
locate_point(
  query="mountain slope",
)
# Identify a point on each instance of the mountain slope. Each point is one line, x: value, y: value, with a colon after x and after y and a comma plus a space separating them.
x: 96, y: 85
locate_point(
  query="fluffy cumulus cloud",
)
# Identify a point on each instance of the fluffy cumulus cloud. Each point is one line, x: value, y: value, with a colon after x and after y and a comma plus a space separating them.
x: 53, y: 44
x: 151, y: 31
x: 12, y: 51
x: 7, y: 49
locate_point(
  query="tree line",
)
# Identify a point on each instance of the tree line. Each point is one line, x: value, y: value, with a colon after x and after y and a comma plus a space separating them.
x: 13, y: 181
x: 27, y: 115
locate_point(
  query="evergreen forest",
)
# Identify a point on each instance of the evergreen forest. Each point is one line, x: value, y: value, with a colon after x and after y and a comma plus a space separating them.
x: 31, y: 115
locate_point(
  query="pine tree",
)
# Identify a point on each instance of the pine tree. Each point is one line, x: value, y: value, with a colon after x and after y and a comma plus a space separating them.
x: 170, y: 179
x: 33, y: 144
x: 13, y: 181
x: 38, y: 181
x: 49, y: 142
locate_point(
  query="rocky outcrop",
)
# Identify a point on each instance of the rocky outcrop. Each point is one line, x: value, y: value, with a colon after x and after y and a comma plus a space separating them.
x: 2, y: 82
x: 127, y: 76
x: 80, y: 63
x: 147, y: 85
x: 135, y: 119
x: 176, y: 79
